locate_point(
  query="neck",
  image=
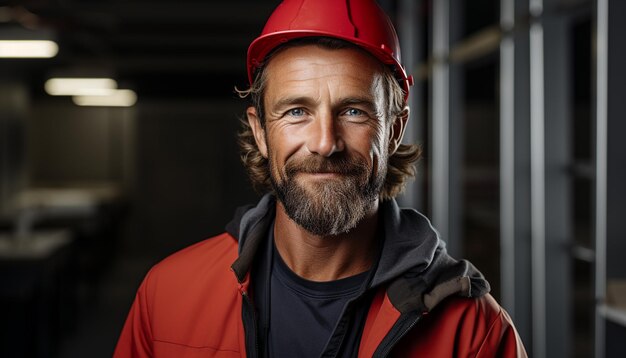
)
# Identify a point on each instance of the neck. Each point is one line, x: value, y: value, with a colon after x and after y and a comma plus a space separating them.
x: 326, y: 258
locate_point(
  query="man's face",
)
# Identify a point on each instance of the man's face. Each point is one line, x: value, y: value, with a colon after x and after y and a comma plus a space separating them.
x: 325, y: 137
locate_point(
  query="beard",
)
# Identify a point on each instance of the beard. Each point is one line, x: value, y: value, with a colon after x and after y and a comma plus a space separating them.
x: 333, y: 206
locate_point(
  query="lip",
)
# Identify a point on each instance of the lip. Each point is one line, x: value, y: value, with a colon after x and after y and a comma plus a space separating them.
x: 324, y: 174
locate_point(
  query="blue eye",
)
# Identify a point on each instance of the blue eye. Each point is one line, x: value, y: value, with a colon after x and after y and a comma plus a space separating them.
x: 296, y: 112
x: 354, y: 112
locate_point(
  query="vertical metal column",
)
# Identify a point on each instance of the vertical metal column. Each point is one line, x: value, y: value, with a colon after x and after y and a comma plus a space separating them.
x: 507, y: 156
x: 515, y: 168
x: 601, y: 160
x: 410, y: 42
x: 440, y: 117
x: 456, y: 133
x: 537, y: 137
x: 558, y: 104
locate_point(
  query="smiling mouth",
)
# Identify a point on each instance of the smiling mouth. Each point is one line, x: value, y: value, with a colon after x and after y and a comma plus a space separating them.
x: 323, y: 174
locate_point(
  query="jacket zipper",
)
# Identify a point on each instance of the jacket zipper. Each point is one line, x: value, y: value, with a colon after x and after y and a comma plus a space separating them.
x: 396, y: 336
x: 249, y: 318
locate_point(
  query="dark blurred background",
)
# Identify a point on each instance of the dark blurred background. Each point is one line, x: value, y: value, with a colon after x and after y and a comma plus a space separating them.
x: 512, y: 103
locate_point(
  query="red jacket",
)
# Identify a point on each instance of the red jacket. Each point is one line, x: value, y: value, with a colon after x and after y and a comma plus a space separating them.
x: 193, y: 304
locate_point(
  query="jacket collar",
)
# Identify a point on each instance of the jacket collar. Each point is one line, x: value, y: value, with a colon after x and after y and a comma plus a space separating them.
x: 413, y: 261
x: 249, y: 227
x: 416, y: 267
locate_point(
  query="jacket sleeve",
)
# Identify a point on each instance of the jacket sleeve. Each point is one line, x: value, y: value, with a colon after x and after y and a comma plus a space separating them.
x: 136, y: 338
x: 502, y: 340
x: 462, y: 327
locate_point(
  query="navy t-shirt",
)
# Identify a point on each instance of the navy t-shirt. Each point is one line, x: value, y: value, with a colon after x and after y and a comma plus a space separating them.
x: 297, y: 317
x: 303, y: 313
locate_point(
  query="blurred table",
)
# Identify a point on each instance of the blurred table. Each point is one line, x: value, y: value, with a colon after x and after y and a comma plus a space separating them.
x: 32, y: 288
x: 54, y: 245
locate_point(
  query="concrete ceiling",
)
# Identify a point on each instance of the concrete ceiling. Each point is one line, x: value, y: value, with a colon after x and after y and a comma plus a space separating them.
x: 160, y: 48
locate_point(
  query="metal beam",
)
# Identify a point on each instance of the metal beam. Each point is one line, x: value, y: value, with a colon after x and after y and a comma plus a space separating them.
x: 601, y: 164
x: 409, y: 31
x: 558, y: 181
x: 507, y: 157
x: 440, y: 118
x: 537, y: 137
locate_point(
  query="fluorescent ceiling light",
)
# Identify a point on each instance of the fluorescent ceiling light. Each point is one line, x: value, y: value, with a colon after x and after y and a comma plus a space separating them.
x: 117, y: 98
x: 80, y: 86
x: 28, y: 49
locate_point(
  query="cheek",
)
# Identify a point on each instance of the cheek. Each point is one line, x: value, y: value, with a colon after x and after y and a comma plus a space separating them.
x: 379, y: 151
x: 371, y: 142
x: 282, y: 144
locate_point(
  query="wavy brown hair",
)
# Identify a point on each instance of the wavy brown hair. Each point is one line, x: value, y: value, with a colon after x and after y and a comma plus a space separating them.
x: 400, y: 165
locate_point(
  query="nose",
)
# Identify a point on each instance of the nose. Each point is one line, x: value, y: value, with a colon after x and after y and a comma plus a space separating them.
x: 324, y: 139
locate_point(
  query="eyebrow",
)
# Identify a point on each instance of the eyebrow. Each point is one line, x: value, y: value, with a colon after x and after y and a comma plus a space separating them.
x: 288, y: 101
x: 307, y: 101
x: 363, y: 101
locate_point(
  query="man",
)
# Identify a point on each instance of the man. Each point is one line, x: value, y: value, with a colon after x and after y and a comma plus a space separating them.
x: 326, y: 264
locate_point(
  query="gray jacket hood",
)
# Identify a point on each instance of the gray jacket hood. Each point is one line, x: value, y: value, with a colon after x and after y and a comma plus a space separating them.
x: 413, y: 263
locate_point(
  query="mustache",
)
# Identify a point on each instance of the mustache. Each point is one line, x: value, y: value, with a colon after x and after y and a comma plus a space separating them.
x: 342, y: 165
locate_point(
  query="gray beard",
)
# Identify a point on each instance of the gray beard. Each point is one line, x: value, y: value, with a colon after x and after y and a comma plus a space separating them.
x: 331, y: 207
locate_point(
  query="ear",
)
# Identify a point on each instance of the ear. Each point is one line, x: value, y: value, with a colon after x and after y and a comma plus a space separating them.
x: 397, y: 130
x: 257, y: 130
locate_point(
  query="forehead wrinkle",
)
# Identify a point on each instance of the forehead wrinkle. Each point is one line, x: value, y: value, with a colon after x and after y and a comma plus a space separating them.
x: 302, y: 64
x: 295, y: 72
x: 328, y: 65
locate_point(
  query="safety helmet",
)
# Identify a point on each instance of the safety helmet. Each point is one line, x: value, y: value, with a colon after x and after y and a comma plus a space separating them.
x: 361, y: 22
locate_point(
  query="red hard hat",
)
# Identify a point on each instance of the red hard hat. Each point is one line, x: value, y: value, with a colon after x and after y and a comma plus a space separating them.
x: 361, y: 22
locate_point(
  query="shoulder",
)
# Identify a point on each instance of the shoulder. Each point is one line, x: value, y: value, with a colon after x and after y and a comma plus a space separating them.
x: 209, y: 252
x: 462, y: 327
x: 186, y: 294
x: 213, y: 252
x: 463, y: 318
x: 205, y: 262
x: 484, y: 309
